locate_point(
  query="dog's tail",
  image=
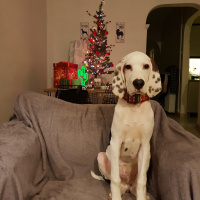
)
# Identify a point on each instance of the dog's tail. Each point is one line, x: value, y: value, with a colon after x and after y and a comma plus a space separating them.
x: 100, y: 178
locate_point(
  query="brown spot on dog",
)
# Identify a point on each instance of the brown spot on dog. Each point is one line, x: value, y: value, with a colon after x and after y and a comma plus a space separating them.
x: 150, y: 89
x: 118, y: 86
x: 158, y: 79
x: 121, y: 90
x: 116, y: 72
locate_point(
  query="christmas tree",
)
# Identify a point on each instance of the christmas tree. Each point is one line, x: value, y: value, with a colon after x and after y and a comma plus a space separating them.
x: 97, y: 59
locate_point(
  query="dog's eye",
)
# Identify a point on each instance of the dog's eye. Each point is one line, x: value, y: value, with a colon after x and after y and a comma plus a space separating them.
x: 127, y: 67
x: 146, y: 66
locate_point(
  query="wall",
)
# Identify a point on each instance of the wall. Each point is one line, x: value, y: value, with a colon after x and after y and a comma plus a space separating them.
x: 22, y: 50
x: 63, y: 26
x: 195, y: 40
x: 64, y: 17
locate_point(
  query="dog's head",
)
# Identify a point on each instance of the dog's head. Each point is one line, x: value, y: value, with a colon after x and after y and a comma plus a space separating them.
x: 137, y: 73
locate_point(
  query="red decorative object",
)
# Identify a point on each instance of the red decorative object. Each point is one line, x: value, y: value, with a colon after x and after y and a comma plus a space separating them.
x: 64, y: 70
x: 94, y: 32
x: 111, y: 65
x: 97, y: 52
x: 91, y: 40
x: 99, y: 23
x: 106, y: 32
x: 107, y: 54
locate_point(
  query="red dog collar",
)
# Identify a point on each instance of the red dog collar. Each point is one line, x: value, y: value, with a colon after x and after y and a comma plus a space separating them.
x: 136, y: 98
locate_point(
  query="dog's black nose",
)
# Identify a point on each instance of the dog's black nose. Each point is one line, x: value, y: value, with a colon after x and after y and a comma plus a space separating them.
x: 138, y: 83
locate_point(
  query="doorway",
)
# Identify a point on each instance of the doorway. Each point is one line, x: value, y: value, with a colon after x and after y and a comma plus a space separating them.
x: 165, y: 44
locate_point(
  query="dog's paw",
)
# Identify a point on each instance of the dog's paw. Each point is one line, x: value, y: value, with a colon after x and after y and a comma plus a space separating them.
x: 143, y: 197
x: 110, y: 197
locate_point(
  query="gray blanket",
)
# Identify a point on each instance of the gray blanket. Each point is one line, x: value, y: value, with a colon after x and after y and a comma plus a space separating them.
x: 48, y: 149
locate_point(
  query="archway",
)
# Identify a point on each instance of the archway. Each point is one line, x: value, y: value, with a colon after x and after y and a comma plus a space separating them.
x: 173, y: 45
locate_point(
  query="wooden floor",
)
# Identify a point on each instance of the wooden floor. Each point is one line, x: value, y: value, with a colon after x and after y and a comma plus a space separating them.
x: 189, y: 123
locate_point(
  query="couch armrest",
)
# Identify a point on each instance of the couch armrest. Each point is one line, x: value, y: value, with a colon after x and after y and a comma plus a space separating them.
x: 174, y: 172
x: 21, y: 169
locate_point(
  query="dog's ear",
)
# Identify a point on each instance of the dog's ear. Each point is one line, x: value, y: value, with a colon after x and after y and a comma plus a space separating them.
x: 154, y: 83
x: 119, y: 81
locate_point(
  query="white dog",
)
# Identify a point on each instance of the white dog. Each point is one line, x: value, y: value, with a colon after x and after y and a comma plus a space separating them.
x: 126, y: 159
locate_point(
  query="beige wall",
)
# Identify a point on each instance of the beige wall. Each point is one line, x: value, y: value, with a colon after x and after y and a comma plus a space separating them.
x: 64, y: 17
x: 63, y: 26
x: 195, y: 40
x: 22, y: 50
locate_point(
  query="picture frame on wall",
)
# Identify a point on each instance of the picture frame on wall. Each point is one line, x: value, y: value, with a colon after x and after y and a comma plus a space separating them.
x: 84, y: 30
x: 120, y: 32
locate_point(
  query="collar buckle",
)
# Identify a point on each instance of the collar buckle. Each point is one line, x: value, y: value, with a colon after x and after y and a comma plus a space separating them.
x: 137, y: 98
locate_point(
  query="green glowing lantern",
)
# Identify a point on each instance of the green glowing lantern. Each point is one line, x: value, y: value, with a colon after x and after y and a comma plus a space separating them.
x: 83, y: 75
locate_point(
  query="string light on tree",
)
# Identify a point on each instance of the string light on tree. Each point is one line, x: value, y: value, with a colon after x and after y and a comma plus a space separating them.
x: 97, y: 60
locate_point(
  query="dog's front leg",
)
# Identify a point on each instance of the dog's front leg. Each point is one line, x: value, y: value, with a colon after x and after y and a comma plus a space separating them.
x: 115, y: 145
x: 143, y: 165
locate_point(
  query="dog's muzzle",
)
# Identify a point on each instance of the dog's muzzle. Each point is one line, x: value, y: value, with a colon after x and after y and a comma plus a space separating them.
x: 138, y: 83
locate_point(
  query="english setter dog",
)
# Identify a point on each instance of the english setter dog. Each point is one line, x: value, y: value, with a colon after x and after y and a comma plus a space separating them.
x: 126, y: 160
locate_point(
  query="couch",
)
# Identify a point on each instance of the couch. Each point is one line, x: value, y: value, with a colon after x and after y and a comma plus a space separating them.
x: 49, y: 147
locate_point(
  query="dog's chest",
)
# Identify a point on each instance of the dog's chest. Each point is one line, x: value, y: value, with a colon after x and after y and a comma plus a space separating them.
x: 135, y: 122
x: 133, y: 116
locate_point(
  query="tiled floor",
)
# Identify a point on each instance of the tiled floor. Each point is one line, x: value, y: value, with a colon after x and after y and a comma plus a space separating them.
x: 188, y: 123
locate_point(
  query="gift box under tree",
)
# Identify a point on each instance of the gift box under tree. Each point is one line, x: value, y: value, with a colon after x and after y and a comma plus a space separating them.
x: 64, y: 70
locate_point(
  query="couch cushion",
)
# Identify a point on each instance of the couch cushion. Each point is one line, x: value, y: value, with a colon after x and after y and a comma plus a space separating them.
x: 78, y: 189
